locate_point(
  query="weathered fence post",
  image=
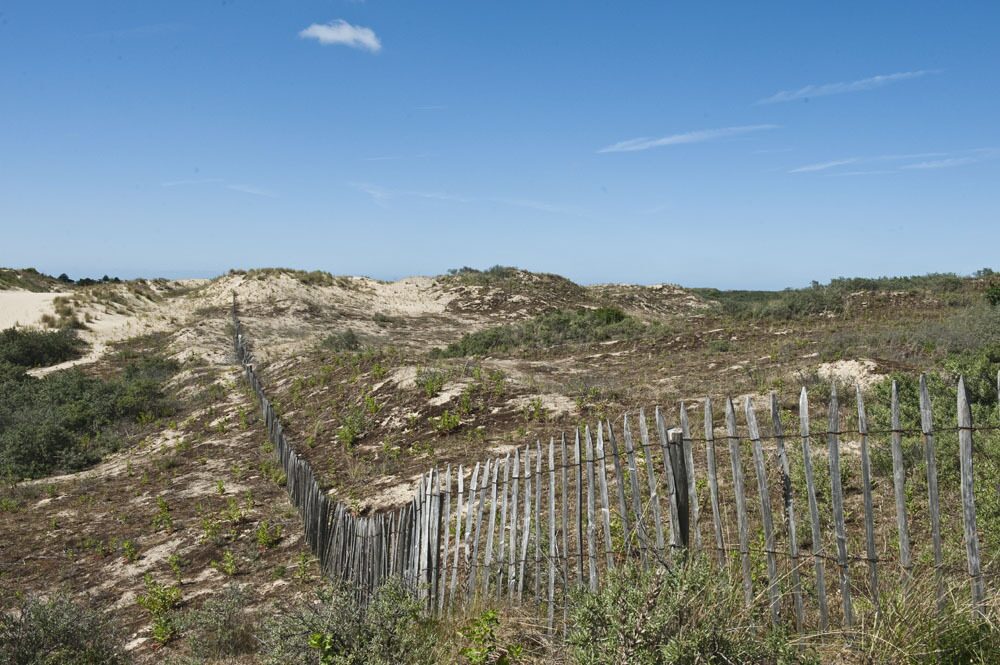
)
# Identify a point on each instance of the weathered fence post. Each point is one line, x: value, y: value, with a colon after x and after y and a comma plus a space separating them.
x: 713, y: 483
x: 786, y: 494
x: 927, y: 426
x: 837, y: 494
x: 866, y: 486
x: 765, y: 511
x: 654, y: 495
x: 741, y: 508
x: 899, y: 491
x: 591, y: 531
x: 971, y: 535
x: 817, y: 537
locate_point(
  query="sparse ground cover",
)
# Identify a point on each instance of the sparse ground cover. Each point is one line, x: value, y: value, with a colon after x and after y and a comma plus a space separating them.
x: 194, y: 499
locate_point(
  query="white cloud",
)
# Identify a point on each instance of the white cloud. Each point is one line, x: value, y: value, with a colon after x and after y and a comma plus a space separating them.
x: 699, y: 136
x: 844, y: 86
x: 822, y: 166
x: 342, y: 32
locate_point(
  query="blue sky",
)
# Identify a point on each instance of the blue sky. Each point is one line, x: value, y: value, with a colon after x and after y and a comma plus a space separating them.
x: 739, y: 145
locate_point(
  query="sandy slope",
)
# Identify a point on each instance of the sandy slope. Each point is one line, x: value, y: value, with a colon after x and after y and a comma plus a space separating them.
x: 24, y: 308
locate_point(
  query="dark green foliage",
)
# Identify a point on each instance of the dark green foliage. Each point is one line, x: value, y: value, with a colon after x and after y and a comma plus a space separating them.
x: 497, y: 273
x: 690, y: 614
x: 35, y: 348
x: 548, y: 330
x: 68, y: 420
x: 334, y: 628
x: 342, y: 341
x: 513, y: 280
x: 58, y: 632
x: 993, y: 294
x: 819, y: 298
x: 28, y: 279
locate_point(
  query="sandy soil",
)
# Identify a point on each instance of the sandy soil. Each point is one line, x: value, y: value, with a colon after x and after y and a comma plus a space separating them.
x: 24, y: 308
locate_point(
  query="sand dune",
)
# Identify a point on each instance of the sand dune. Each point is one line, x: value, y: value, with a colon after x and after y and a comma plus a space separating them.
x: 24, y: 308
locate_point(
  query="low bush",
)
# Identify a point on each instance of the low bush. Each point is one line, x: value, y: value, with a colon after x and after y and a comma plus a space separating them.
x: 222, y: 627
x: 334, y: 628
x: 68, y: 420
x: 346, y: 340
x: 35, y: 348
x: 59, y: 632
x: 689, y: 614
x: 548, y: 330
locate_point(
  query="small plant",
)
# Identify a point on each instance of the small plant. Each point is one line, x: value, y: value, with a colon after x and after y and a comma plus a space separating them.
x: 446, y: 422
x: 326, y: 644
x: 228, y: 564
x: 534, y: 410
x: 210, y: 529
x: 175, y: 562
x: 267, y: 535
x: 271, y: 471
x: 234, y: 513
x: 160, y: 600
x: 352, y: 427
x: 163, y: 519
x: 130, y: 551
x: 372, y: 406
x: 485, y: 647
x: 220, y: 487
x: 430, y: 381
x: 302, y: 574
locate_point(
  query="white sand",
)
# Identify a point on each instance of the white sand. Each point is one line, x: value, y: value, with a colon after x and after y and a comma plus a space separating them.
x: 24, y: 308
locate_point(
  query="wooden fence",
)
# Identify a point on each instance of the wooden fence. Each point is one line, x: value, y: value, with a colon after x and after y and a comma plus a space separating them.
x: 534, y: 523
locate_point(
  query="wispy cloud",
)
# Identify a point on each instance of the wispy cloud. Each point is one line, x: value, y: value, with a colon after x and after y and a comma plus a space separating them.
x: 248, y: 189
x: 699, y: 136
x: 823, y: 166
x: 235, y: 187
x: 844, y: 87
x: 343, y: 33
x: 945, y: 160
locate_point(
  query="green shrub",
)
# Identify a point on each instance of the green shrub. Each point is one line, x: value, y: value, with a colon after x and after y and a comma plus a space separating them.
x: 334, y: 628
x: 342, y: 341
x: 160, y: 600
x: 548, y: 330
x: 690, y: 614
x: 483, y: 644
x: 446, y: 422
x: 68, y: 420
x: 431, y: 381
x: 267, y: 535
x: 993, y: 294
x: 33, y: 348
x: 221, y: 627
x: 59, y: 632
